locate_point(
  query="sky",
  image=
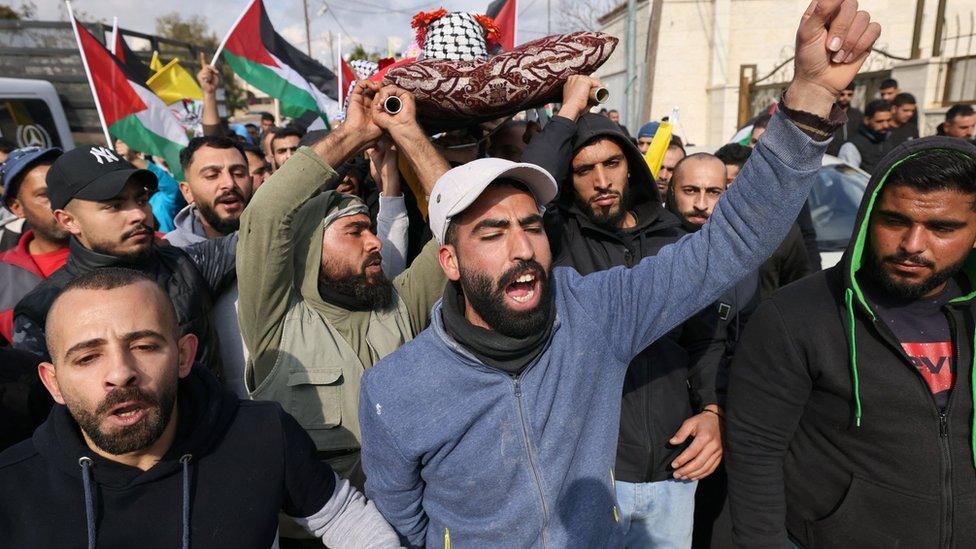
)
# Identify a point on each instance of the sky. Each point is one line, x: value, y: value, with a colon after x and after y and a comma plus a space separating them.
x: 366, y: 22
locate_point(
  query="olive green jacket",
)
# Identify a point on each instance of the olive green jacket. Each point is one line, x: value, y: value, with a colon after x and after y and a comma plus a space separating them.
x: 305, y: 353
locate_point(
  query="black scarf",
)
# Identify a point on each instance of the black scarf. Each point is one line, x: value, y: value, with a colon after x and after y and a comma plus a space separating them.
x: 509, y: 354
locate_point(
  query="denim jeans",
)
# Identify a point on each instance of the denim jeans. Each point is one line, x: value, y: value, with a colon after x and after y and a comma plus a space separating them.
x: 659, y: 515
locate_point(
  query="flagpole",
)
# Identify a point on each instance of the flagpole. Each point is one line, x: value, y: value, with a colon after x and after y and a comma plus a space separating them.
x: 515, y: 25
x: 339, y: 69
x: 91, y: 83
x: 115, y: 35
x: 220, y: 48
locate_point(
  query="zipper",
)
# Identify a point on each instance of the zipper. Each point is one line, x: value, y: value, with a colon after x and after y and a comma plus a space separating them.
x: 516, y: 381
x: 947, y: 510
x: 945, y: 452
x: 946, y: 479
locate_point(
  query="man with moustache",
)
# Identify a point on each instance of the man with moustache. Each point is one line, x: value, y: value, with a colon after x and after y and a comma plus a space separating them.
x: 850, y: 411
x: 103, y: 202
x: 609, y: 214
x: 316, y: 309
x: 42, y: 249
x: 145, y: 449
x: 217, y: 188
x: 493, y: 426
x: 854, y: 116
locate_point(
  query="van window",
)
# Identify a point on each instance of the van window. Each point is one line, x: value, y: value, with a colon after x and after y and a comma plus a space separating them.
x: 28, y: 123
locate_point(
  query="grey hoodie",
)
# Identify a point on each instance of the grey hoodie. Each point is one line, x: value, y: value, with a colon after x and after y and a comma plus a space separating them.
x: 233, y: 353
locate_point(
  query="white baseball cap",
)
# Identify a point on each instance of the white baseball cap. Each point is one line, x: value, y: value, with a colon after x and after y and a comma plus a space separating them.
x: 461, y: 186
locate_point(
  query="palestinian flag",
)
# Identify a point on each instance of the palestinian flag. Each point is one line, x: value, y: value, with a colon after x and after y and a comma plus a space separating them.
x: 130, y: 111
x: 505, y: 14
x: 264, y: 59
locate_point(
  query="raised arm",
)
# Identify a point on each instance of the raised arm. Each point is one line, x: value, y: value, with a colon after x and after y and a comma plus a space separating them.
x: 752, y: 218
x: 267, y: 245
x: 422, y: 284
x: 410, y: 139
x: 392, y: 221
x: 208, y: 79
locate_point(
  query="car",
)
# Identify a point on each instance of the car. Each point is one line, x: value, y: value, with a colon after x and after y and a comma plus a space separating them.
x: 834, y: 202
x: 33, y: 116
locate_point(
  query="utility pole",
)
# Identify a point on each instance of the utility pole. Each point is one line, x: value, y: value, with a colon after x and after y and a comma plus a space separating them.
x: 629, y: 38
x: 650, y: 59
x: 308, y: 34
x: 548, y: 17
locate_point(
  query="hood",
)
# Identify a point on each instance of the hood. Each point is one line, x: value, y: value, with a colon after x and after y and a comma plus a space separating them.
x: 853, y: 259
x: 645, y: 197
x: 206, y: 410
x: 188, y: 229
x: 307, y: 228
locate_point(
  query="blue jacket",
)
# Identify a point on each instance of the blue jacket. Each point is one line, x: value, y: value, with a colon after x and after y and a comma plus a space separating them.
x: 455, y: 449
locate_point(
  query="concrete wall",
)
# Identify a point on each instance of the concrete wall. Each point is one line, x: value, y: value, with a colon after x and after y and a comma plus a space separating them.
x: 703, y: 43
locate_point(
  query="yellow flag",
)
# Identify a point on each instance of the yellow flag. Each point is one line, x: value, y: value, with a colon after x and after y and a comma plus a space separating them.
x: 173, y: 83
x: 659, y: 145
x: 155, y: 64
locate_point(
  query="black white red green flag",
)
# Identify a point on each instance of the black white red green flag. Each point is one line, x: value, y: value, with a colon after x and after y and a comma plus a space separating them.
x: 264, y: 59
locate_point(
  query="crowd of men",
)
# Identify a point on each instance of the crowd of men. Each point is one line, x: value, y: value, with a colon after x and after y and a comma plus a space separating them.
x: 372, y: 337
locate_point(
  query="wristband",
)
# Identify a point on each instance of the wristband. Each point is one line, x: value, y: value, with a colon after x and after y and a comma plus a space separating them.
x: 713, y: 412
x: 818, y: 128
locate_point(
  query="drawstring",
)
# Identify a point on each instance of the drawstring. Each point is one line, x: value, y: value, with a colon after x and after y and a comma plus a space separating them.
x: 85, y: 463
x: 849, y: 301
x: 972, y: 382
x: 185, y: 460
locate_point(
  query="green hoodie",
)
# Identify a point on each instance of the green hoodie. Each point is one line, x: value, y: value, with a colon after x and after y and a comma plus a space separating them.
x: 306, y: 353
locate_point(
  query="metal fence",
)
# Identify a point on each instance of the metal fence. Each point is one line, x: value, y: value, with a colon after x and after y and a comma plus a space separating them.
x: 959, y: 44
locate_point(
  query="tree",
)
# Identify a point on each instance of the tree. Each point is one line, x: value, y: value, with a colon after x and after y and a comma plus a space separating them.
x: 576, y: 15
x: 359, y: 52
x: 26, y: 10
x: 195, y: 30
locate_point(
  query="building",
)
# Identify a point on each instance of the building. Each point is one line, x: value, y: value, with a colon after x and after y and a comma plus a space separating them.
x: 722, y: 61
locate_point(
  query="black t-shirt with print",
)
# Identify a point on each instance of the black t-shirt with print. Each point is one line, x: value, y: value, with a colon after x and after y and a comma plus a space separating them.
x: 923, y: 329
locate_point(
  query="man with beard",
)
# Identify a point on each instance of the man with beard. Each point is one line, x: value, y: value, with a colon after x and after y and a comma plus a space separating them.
x: 217, y: 189
x: 850, y: 419
x: 610, y: 214
x: 316, y: 309
x: 494, y: 426
x: 103, y: 202
x: 854, y: 116
x: 144, y: 448
x: 42, y: 249
x: 904, y: 122
x: 865, y: 148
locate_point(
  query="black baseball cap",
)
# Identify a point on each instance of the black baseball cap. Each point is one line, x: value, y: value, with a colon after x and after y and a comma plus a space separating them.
x: 92, y: 173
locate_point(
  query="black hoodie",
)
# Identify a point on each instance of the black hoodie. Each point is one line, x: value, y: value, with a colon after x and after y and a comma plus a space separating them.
x: 232, y: 467
x: 673, y: 378
x: 833, y: 435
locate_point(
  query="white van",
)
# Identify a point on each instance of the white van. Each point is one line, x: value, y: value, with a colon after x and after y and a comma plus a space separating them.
x: 31, y: 114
